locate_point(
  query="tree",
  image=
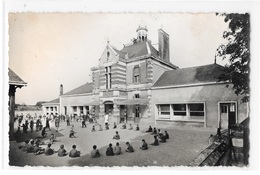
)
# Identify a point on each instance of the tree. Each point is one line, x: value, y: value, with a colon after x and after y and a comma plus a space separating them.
x: 237, y: 51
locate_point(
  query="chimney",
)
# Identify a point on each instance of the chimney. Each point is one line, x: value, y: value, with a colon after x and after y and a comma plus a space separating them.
x: 61, y: 89
x: 164, y: 42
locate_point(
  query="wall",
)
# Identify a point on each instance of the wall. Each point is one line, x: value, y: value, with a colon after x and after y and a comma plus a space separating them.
x: 69, y: 101
x: 210, y: 94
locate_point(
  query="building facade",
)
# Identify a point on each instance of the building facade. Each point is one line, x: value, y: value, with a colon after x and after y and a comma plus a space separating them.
x: 139, y: 84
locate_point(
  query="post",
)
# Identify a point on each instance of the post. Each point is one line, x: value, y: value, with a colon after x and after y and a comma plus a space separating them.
x: 11, y: 110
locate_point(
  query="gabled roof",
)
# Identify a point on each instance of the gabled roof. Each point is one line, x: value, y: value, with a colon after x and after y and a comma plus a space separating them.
x: 83, y: 89
x: 14, y: 79
x: 135, y: 50
x: 192, y: 75
x: 57, y: 100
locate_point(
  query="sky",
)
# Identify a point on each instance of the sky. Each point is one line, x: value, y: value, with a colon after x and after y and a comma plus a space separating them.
x: 49, y: 49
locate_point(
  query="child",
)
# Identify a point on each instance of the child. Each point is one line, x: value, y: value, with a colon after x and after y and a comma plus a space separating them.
x: 37, y: 149
x: 144, y: 145
x: 84, y: 124
x: 25, y: 146
x: 166, y: 135
x: 154, y: 131
x: 52, y: 138
x: 211, y: 139
x: 72, y: 133
x: 95, y: 153
x: 100, y: 128
x: 110, y: 151
x: 44, y: 133
x: 74, y: 152
x: 129, y: 148
x: 137, y: 128
x: 117, y: 149
x: 93, y: 129
x: 130, y: 127
x: 62, y: 152
x: 114, y: 127
x: 30, y: 146
x: 160, y: 134
x: 156, y: 142
x: 117, y: 137
x: 31, y: 125
x: 150, y: 129
x: 106, y: 127
x: 48, y: 150
x: 123, y: 126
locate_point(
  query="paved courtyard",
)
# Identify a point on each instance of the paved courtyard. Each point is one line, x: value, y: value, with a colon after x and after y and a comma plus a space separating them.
x: 184, y: 145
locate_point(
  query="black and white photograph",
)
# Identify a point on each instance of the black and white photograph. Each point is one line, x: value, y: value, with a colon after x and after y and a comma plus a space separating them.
x: 143, y: 89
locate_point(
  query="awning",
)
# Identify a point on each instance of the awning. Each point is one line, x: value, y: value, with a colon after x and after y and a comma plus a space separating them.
x: 137, y: 101
x: 92, y: 103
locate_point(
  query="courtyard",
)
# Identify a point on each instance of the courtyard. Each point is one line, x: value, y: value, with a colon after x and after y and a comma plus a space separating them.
x: 184, y: 145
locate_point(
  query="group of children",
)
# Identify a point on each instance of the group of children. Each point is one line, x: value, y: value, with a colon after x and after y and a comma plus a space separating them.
x: 34, y: 147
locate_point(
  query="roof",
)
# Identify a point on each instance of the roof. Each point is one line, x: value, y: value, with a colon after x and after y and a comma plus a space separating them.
x: 57, y: 100
x: 135, y: 101
x: 14, y: 79
x: 83, y: 89
x: 141, y: 49
x: 192, y: 75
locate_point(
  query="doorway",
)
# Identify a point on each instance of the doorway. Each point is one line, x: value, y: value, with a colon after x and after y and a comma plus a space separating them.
x: 228, y: 114
x: 109, y: 106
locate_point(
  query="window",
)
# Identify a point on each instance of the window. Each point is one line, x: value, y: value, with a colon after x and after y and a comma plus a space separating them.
x: 196, y: 109
x: 56, y: 109
x: 137, y: 96
x: 51, y: 108
x: 224, y: 109
x: 81, y: 109
x: 179, y: 109
x: 108, y: 54
x: 164, y: 111
x: 47, y: 108
x: 136, y: 74
x: 74, y: 108
x: 108, y: 77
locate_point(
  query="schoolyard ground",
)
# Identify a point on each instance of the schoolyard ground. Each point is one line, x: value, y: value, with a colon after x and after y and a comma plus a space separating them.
x: 184, y: 145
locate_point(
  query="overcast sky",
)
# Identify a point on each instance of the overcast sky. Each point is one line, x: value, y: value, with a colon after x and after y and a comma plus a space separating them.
x: 50, y: 49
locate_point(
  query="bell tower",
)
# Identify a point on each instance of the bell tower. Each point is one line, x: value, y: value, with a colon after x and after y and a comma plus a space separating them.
x: 141, y: 33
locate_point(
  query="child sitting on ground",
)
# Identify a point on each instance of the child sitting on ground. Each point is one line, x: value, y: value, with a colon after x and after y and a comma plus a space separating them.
x: 25, y: 146
x: 37, y: 149
x: 110, y: 151
x: 95, y: 153
x: 74, y: 152
x: 49, y: 150
x: 166, y: 135
x: 137, y: 128
x: 93, y: 129
x: 100, y: 128
x: 114, y: 127
x: 123, y: 126
x: 130, y: 127
x: 156, y: 142
x: 117, y: 137
x: 62, y: 152
x: 52, y: 138
x: 72, y: 133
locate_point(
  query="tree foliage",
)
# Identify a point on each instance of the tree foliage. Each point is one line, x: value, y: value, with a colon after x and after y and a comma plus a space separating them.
x: 237, y: 51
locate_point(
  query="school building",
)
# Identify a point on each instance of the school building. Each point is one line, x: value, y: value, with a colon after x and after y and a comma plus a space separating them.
x: 139, y: 84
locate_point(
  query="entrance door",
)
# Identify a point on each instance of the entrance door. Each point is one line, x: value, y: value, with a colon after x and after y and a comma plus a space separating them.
x: 123, y: 116
x: 223, y: 116
x: 227, y: 115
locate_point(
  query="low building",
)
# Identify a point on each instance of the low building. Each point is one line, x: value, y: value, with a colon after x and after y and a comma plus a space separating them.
x: 14, y: 82
x: 194, y: 96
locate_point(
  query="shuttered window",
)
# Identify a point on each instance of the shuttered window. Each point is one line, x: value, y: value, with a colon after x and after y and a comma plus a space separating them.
x: 136, y: 73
